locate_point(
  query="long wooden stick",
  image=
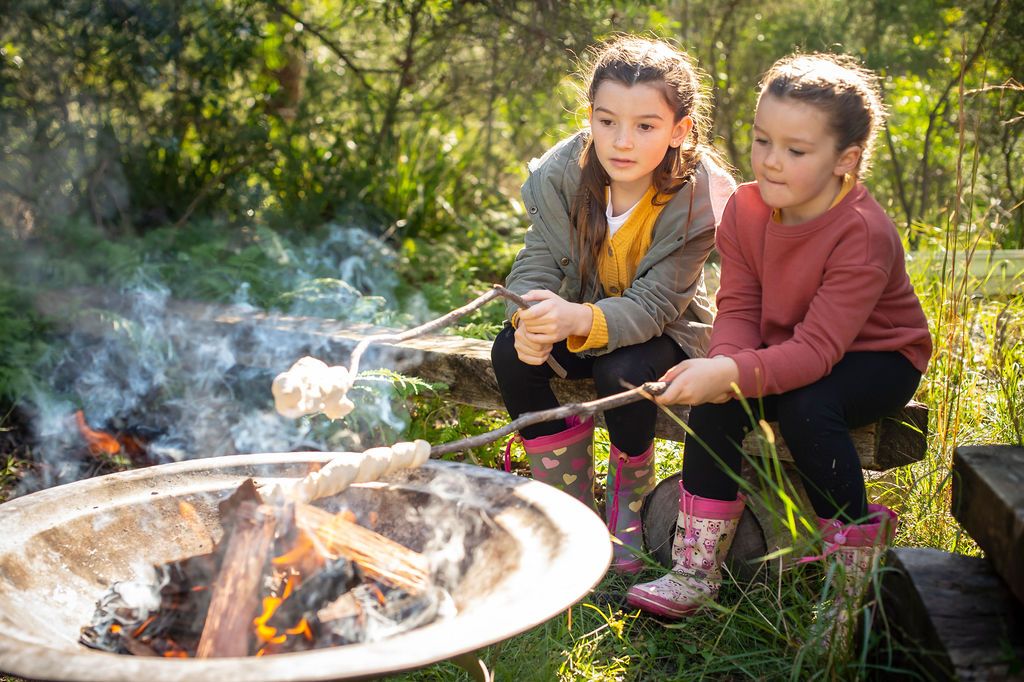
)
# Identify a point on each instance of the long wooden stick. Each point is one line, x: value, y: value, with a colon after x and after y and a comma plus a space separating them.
x: 646, y: 391
x: 496, y: 291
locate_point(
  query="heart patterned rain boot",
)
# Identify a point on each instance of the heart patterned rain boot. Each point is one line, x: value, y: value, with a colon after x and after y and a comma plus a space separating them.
x: 630, y: 479
x: 857, y: 548
x: 564, y: 460
x: 704, y: 531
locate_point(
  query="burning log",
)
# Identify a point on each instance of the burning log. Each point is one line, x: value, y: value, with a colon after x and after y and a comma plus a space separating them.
x: 381, y: 558
x: 235, y: 596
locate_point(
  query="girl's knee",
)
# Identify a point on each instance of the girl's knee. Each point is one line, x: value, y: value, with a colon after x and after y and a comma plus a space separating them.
x: 504, y: 357
x: 627, y: 367
x: 805, y: 405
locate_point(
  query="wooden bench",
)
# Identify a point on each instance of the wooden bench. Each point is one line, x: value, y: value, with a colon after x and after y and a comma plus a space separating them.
x: 988, y: 501
x: 464, y: 366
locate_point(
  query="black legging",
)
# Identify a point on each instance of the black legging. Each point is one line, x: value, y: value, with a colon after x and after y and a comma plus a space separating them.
x: 815, y: 420
x: 527, y: 388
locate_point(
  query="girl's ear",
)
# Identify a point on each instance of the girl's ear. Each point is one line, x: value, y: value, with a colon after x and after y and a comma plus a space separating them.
x: 848, y: 161
x: 680, y: 131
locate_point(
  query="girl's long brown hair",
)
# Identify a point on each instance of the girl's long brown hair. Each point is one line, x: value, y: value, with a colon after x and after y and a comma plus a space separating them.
x: 631, y: 60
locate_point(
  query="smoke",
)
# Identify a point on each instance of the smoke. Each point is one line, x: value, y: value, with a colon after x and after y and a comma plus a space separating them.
x: 194, y: 380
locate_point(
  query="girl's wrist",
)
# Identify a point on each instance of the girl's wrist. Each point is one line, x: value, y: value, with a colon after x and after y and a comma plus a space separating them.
x: 730, y: 371
x: 584, y: 320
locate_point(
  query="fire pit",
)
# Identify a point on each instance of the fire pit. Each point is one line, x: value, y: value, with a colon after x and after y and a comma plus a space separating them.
x: 511, y: 552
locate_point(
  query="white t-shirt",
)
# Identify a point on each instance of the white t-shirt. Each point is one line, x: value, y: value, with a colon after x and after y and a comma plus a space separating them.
x: 615, y: 222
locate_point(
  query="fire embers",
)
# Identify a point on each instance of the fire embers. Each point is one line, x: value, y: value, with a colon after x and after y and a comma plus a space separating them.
x: 158, y: 615
x: 312, y: 592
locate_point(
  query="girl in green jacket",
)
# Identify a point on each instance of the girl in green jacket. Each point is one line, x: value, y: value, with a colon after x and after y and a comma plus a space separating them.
x: 623, y: 218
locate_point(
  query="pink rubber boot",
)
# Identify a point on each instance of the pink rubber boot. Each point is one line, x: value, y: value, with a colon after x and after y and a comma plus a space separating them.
x: 857, y: 548
x: 564, y: 460
x: 630, y: 479
x: 704, y: 532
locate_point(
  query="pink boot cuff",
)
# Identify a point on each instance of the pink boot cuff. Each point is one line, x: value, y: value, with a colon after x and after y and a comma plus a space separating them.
x: 576, y: 430
x: 706, y: 508
x: 635, y: 460
x: 880, y: 529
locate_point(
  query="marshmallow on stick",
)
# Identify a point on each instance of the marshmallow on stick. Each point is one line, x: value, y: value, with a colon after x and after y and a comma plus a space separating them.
x: 310, y: 386
x: 348, y: 468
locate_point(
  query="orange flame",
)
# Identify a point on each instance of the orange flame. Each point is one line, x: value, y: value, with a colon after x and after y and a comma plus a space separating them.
x: 301, y: 629
x: 99, y: 442
x: 266, y: 633
x: 303, y: 545
x: 142, y: 628
x: 174, y: 650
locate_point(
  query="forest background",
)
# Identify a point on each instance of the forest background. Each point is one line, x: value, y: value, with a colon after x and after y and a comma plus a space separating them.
x: 361, y: 160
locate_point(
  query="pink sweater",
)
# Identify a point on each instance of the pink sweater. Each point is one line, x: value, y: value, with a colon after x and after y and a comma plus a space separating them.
x: 795, y: 298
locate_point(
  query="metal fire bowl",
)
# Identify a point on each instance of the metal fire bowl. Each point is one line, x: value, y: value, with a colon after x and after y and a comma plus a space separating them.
x: 515, y: 553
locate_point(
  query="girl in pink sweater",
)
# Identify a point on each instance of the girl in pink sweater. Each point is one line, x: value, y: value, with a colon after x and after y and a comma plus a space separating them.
x: 818, y: 327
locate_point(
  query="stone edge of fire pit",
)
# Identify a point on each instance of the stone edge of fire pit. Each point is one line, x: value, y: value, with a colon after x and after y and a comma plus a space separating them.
x: 567, y: 580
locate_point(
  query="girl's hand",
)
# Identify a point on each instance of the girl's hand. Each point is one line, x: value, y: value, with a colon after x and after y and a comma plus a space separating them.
x: 554, y: 319
x: 529, y: 348
x: 701, y: 380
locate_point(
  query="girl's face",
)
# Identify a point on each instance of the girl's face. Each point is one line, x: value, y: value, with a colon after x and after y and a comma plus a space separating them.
x: 632, y: 127
x: 795, y: 161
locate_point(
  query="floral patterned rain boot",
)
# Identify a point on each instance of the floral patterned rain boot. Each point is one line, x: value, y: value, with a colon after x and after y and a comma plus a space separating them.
x: 630, y: 479
x: 704, y: 532
x: 564, y: 460
x: 857, y: 547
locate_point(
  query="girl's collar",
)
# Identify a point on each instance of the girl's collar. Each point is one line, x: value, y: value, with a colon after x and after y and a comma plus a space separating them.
x: 849, y: 182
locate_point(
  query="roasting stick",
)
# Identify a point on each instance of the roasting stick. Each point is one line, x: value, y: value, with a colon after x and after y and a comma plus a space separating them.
x: 496, y: 291
x: 645, y: 391
x: 380, y: 557
x: 310, y: 386
x: 348, y: 468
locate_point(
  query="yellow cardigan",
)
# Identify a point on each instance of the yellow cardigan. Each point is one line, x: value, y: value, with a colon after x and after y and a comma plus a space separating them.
x: 617, y: 264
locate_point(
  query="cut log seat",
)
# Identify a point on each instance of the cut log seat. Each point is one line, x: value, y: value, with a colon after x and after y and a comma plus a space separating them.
x: 948, y: 617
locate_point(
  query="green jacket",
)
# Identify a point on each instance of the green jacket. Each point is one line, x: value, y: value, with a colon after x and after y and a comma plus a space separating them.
x: 668, y: 295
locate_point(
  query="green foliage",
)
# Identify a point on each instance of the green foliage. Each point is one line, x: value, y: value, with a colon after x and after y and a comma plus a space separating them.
x: 453, y: 269
x: 22, y: 344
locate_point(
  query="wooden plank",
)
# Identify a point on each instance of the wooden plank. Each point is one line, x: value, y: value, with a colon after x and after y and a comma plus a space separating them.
x: 988, y: 501
x: 464, y: 365
x: 948, y: 617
